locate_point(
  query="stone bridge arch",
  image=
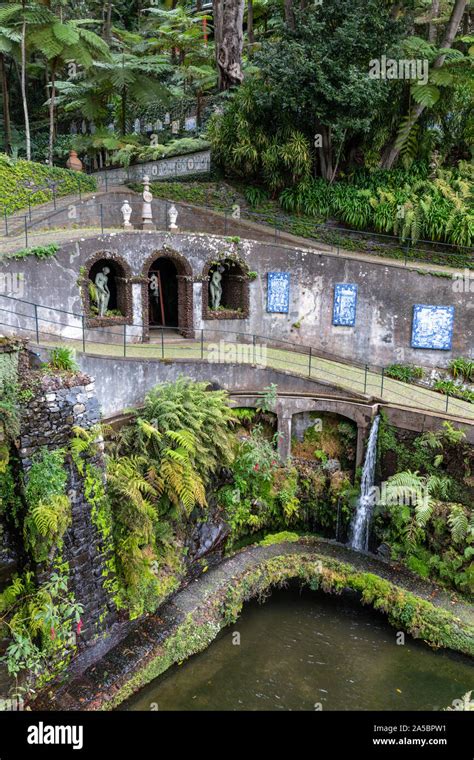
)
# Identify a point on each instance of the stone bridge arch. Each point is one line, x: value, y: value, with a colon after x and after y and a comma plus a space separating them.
x: 286, y: 407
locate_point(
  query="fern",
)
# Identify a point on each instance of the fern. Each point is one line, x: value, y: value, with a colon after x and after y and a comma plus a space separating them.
x: 458, y: 523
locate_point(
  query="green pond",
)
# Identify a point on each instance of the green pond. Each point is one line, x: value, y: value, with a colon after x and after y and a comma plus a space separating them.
x: 308, y: 651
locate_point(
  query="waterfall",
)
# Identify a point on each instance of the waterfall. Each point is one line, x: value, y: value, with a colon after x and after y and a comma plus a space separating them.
x: 359, y: 539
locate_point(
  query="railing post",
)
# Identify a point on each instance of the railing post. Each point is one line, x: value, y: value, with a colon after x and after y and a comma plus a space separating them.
x: 162, y: 344
x: 310, y: 360
x: 365, y: 378
x: 36, y: 324
x: 83, y: 335
x: 26, y: 233
x: 382, y: 382
x: 254, y: 340
x: 202, y: 343
x: 125, y: 340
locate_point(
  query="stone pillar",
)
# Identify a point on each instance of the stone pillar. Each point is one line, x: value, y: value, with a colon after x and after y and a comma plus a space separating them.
x: 284, y: 437
x: 60, y: 404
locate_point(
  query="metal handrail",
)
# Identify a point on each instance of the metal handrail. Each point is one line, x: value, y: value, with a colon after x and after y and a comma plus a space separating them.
x: 280, y: 224
x: 366, y: 382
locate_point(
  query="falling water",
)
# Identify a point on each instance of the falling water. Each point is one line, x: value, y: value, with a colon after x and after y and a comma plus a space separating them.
x: 360, y: 525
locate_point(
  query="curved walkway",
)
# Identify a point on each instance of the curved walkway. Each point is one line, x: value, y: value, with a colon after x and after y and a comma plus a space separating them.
x: 246, y: 228
x: 192, y: 619
x: 330, y: 372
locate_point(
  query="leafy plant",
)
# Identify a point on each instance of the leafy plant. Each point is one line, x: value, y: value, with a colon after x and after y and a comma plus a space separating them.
x: 463, y: 369
x: 49, y: 511
x: 62, y: 359
x: 406, y: 373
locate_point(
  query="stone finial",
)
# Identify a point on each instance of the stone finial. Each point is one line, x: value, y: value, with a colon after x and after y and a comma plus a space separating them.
x: 172, y: 216
x: 147, y: 213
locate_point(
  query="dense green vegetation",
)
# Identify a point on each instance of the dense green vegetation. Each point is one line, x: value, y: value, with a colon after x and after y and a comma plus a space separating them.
x: 185, y: 459
x: 22, y: 181
x: 426, y: 512
x: 293, y: 97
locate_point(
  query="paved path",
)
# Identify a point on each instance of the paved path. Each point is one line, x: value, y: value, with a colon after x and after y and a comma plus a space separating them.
x: 346, y: 376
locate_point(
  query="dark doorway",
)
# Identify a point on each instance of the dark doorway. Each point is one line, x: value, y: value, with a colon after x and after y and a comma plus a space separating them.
x: 167, y: 272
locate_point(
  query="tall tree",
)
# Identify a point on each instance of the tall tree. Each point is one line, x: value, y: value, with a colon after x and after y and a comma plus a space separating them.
x: 393, y: 151
x: 228, y: 35
x: 62, y: 42
x: 9, y: 40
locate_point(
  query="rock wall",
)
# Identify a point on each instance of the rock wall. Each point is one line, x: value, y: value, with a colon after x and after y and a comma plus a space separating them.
x: 60, y: 404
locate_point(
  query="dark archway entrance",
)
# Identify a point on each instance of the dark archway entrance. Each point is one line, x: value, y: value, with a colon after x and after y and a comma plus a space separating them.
x: 163, y: 302
x: 175, y: 308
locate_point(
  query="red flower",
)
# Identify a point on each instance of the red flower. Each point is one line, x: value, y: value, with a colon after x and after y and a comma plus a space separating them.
x: 256, y: 467
x: 53, y: 633
x: 273, y: 463
x: 79, y: 626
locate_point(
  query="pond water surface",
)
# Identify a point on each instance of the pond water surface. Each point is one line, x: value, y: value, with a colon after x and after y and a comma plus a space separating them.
x: 306, y: 651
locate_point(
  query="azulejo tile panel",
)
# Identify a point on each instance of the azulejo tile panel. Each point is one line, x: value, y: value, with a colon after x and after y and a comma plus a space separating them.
x: 345, y: 305
x: 278, y: 292
x: 432, y: 327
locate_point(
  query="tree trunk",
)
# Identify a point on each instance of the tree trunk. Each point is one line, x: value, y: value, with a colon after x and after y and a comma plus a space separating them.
x: 6, y: 105
x: 198, y: 107
x: 392, y: 153
x: 228, y: 35
x: 51, y: 113
x: 325, y: 152
x: 23, y: 92
x: 432, y: 28
x: 107, y: 28
x: 250, y: 34
x: 124, y: 111
x: 289, y: 15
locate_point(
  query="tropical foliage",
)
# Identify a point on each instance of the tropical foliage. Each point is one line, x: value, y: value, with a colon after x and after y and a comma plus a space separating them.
x: 157, y: 473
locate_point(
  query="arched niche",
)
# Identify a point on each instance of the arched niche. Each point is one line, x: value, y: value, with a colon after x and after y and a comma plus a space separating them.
x: 234, y: 301
x: 119, y: 283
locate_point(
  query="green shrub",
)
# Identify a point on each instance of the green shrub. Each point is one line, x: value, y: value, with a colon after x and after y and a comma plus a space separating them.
x: 463, y: 369
x: 40, y: 251
x: 14, y: 173
x: 451, y: 388
x: 407, y: 373
x: 436, y: 208
x: 62, y: 359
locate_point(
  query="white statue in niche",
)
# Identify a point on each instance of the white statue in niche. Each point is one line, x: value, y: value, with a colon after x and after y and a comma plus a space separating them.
x: 147, y: 214
x: 102, y: 291
x: 173, y: 215
x: 126, y: 214
x: 215, y: 287
x: 155, y: 288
